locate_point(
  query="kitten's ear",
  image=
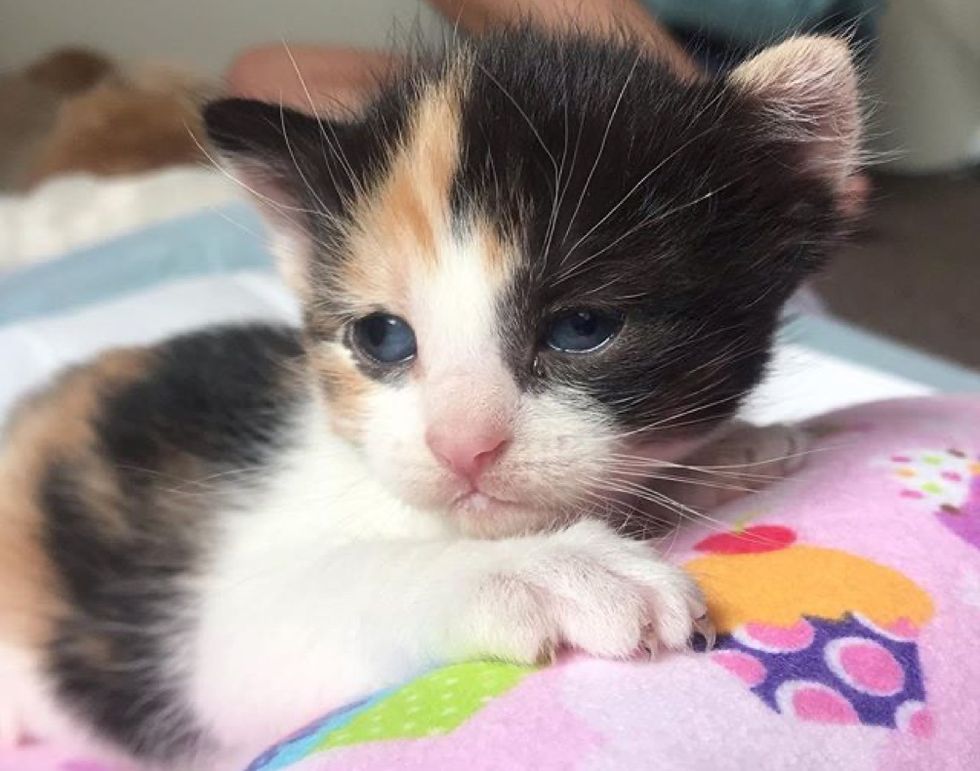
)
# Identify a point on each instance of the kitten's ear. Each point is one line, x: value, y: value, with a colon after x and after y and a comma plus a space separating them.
x: 292, y: 165
x: 810, y: 87
x: 284, y: 156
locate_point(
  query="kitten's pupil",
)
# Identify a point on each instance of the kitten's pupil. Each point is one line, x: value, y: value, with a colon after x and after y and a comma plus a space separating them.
x: 584, y: 324
x: 581, y: 330
x: 384, y: 338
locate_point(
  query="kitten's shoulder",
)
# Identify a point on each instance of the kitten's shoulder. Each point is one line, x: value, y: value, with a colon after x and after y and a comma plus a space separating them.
x: 219, y: 396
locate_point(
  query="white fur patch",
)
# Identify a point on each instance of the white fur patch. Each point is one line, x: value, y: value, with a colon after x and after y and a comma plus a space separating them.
x: 305, y: 608
x: 460, y: 381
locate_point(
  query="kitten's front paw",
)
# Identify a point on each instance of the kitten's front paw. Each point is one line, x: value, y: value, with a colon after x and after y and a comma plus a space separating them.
x: 586, y: 588
x: 773, y: 452
x: 745, y: 460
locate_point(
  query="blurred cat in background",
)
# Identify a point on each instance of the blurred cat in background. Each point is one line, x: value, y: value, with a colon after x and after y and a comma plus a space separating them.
x: 78, y: 111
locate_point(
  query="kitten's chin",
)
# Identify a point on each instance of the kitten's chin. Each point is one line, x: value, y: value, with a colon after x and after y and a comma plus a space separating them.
x: 479, y: 515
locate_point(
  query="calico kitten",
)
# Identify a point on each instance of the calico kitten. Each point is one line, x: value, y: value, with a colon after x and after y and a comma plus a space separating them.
x: 529, y: 269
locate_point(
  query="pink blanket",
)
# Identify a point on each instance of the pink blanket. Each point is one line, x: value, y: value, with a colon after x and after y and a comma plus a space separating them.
x: 848, y: 604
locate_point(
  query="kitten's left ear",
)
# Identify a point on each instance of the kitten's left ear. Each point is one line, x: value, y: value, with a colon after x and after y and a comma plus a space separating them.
x: 291, y: 157
x: 295, y: 166
x: 809, y: 87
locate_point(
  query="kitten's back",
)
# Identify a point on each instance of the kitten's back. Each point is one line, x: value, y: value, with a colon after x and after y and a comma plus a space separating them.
x: 112, y: 479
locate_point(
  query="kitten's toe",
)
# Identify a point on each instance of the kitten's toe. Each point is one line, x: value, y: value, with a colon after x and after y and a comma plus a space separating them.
x: 746, y: 460
x: 766, y: 452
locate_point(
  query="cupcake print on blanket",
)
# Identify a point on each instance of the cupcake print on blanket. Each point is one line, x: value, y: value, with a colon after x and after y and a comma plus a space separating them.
x: 817, y: 634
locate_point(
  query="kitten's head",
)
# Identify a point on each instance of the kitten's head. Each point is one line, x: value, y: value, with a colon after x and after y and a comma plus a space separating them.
x: 534, y: 258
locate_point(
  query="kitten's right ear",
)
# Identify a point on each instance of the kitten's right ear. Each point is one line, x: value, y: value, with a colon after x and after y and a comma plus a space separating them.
x: 809, y: 87
x: 292, y: 164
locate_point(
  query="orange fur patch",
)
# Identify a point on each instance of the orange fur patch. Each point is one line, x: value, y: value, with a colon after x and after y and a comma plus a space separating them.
x: 51, y: 424
x: 345, y: 387
x: 500, y: 253
x: 399, y: 225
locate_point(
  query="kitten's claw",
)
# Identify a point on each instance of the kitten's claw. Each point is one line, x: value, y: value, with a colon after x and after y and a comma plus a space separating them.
x: 548, y: 654
x: 706, y: 628
x: 648, y: 643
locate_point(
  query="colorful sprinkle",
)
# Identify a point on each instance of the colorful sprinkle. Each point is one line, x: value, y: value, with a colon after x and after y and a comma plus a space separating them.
x: 912, y: 494
x: 952, y: 476
x: 932, y: 460
x: 932, y: 487
x: 905, y: 472
x: 901, y: 459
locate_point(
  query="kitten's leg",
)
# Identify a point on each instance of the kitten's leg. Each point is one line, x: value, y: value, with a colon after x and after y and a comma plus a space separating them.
x: 285, y: 640
x: 745, y: 459
x: 30, y: 713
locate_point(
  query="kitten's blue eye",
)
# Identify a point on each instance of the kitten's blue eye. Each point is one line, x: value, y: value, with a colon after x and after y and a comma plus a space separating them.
x: 384, y: 338
x: 581, y: 330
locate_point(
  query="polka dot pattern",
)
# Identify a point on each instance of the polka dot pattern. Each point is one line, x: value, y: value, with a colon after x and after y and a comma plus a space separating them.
x: 865, y: 666
x: 914, y: 718
x: 840, y: 672
x: 776, y: 639
x: 815, y: 702
x: 744, y: 666
x: 901, y: 630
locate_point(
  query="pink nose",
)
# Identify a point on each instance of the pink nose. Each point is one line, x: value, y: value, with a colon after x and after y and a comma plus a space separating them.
x: 468, y: 453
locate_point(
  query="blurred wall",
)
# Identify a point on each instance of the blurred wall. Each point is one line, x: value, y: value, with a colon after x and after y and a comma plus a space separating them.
x: 926, y: 84
x: 202, y: 33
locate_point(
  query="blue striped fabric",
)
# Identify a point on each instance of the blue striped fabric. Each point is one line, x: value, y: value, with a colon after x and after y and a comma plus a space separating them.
x: 220, y: 240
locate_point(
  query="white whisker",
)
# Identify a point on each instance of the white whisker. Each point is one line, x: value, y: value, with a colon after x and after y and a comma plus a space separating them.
x: 598, y: 157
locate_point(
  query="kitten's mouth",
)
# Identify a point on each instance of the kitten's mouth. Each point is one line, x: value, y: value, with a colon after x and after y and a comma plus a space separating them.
x: 477, y: 502
x: 481, y: 515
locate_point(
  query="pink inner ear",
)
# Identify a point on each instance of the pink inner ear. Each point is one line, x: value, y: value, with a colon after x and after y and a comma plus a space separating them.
x: 810, y: 86
x: 854, y: 195
x: 290, y: 242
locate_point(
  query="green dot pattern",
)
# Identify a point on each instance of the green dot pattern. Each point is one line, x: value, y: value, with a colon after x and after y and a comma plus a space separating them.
x: 431, y: 705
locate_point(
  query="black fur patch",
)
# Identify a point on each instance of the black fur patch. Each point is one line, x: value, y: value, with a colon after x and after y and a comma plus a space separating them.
x: 674, y: 203
x: 128, y: 521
